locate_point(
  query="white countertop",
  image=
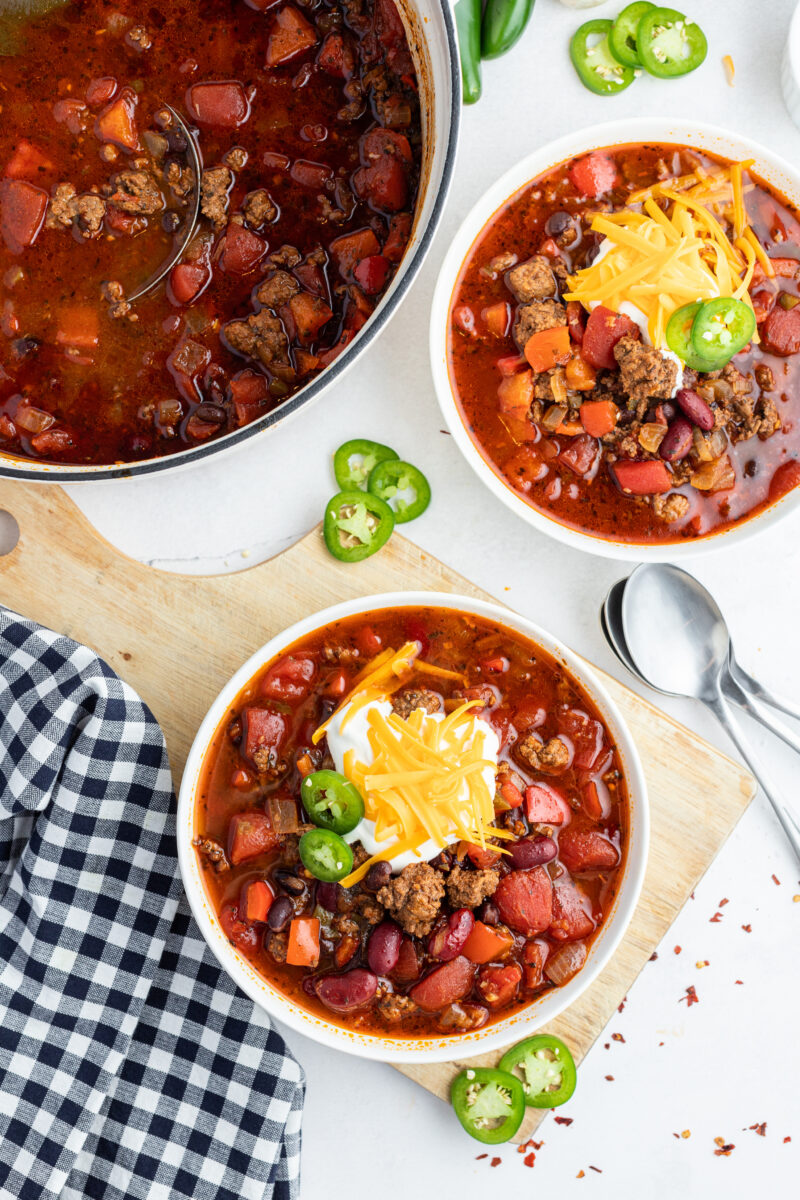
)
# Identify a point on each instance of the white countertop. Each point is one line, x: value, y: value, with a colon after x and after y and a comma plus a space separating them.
x: 733, y: 1059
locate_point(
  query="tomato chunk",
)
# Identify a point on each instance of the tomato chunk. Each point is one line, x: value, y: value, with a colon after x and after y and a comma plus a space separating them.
x: 525, y: 900
x: 250, y: 834
x: 349, y: 249
x: 587, y: 850
x: 545, y: 805
x: 187, y: 280
x: 222, y: 103
x: 309, y: 314
x: 399, y: 232
x: 478, y: 856
x: 384, y: 184
x: 336, y: 56
x: 117, y: 123
x: 27, y: 162
x: 444, y: 985
x: 245, y: 937
x: 485, y: 944
x: 291, y: 35
x: 581, y: 454
x: 243, y: 250
x: 586, y: 735
x: 264, y: 733
x: 22, y: 213
x: 499, y: 985
x: 289, y: 679
x: 594, y: 175
x: 781, y: 331
x: 599, y: 417
x: 372, y: 273
x: 572, y: 917
x: 249, y: 392
x: 644, y: 478
x: 604, y: 329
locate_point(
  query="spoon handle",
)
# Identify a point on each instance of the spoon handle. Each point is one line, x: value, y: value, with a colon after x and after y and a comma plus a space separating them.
x: 757, y: 690
x: 720, y: 707
x: 750, y: 704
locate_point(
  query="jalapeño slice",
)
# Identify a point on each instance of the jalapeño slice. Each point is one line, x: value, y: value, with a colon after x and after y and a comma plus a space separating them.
x: 721, y: 329
x: 546, y: 1067
x: 679, y: 337
x: 622, y: 38
x: 331, y: 801
x: 404, y: 488
x: 597, y: 68
x: 356, y: 525
x: 325, y: 855
x: 669, y: 44
x: 354, y: 460
x: 489, y: 1103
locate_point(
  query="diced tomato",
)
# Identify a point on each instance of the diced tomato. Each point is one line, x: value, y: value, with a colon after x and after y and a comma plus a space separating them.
x: 78, y: 326
x: 571, y: 913
x: 256, y: 900
x: 786, y: 477
x: 515, y: 394
x: 22, y: 213
x: 100, y: 91
x: 336, y: 56
x: 121, y: 222
x: 70, y: 113
x: 274, y: 161
x: 372, y: 273
x: 222, y: 104
x: 599, y: 417
x: 604, y: 329
x: 576, y: 320
x: 478, y: 856
x: 581, y: 454
x: 289, y: 679
x: 380, y: 142
x: 27, y: 162
x: 550, y: 248
x: 117, y: 123
x: 444, y: 985
x: 525, y: 468
x: 291, y: 35
x: 763, y: 304
x: 350, y: 248
x: 52, y: 441
x: 384, y: 184
x: 368, y: 641
x: 485, y: 944
x: 399, y: 233
x: 509, y: 364
x: 308, y: 315
x: 594, y: 175
x: 533, y: 961
x: 334, y: 685
x: 781, y: 331
x: 311, y: 174
x: 250, y: 834
x: 649, y: 477
x: 525, y: 900
x: 407, y: 967
x: 303, y: 948
x: 499, y: 985
x: 187, y: 280
x: 586, y: 735
x: 245, y: 937
x: 305, y: 362
x: 546, y: 805
x: 243, y: 250
x: 785, y: 268
x: 497, y: 318
x: 591, y: 800
x: 263, y: 729
x: 548, y: 348
x: 579, y: 375
x: 530, y: 713
x: 587, y: 850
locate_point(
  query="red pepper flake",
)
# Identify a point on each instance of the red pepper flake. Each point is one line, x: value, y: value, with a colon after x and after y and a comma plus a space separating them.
x: 691, y: 996
x: 610, y: 1078
x: 739, y: 981
x: 717, y: 917
x: 661, y: 1043
x: 677, y: 1135
x: 495, y: 1162
x: 563, y: 1120
x: 776, y: 881
x: 606, y: 1045
x: 591, y: 1168
x: 786, y: 1139
x: 760, y: 1128
x: 677, y: 950
x: 653, y: 956
x: 723, y: 902
x: 478, y: 1157
x: 747, y: 928
x: 580, y: 1175
x: 617, y: 1037
x: 724, y: 1148
x: 621, y: 1005
x: 529, y: 1159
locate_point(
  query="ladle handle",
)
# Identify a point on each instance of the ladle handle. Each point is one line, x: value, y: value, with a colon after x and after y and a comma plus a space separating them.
x: 752, y: 686
x: 721, y: 708
x: 745, y: 700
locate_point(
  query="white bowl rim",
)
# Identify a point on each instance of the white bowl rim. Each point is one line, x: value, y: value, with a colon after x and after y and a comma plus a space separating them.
x: 499, y: 1033
x: 627, y: 130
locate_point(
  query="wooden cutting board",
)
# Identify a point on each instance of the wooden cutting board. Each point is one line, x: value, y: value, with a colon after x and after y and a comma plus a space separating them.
x: 177, y: 639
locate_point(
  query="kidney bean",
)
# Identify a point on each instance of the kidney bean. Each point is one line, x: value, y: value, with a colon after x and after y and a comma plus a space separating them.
x: 488, y: 913
x: 345, y: 993
x: 677, y: 441
x: 448, y: 942
x: 377, y: 877
x: 695, y: 408
x: 280, y: 914
x: 532, y: 852
x: 328, y: 896
x: 289, y: 882
x: 383, y: 948
x: 444, y: 985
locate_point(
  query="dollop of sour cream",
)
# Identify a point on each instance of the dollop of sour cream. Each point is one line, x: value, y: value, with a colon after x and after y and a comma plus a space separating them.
x: 355, y: 737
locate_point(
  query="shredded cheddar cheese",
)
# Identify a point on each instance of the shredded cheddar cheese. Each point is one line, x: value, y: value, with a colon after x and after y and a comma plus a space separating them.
x: 669, y: 247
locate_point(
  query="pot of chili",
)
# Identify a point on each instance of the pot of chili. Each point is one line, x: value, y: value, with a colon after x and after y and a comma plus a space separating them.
x: 326, y: 139
x: 413, y: 826
x: 615, y: 338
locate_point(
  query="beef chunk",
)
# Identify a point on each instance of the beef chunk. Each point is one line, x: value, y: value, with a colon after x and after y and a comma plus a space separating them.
x: 392, y: 1008
x: 138, y: 37
x: 212, y: 851
x: 236, y: 158
x: 410, y: 699
x: 180, y: 179
x: 340, y: 654
x: 268, y: 766
x: 285, y: 256
x: 670, y: 507
x: 468, y: 889
x: 646, y: 373
x: 277, y: 289
x: 61, y: 210
x: 532, y: 280
x: 91, y: 213
x: 550, y: 757
x: 741, y: 414
x: 278, y: 946
x: 261, y: 336
x: 66, y: 208
x: 369, y: 909
x: 214, y: 187
x: 136, y: 192
x: 413, y: 898
x: 258, y: 208
x: 532, y: 318
x: 113, y: 291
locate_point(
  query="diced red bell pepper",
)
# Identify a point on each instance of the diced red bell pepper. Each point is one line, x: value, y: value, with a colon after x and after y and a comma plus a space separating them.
x: 187, y: 280
x: 27, y: 162
x: 249, y: 392
x: 510, y: 364
x: 372, y: 273
x: 222, y: 104
x: 336, y: 56
x: 571, y: 913
x: 604, y: 329
x: 479, y: 856
x: 586, y: 735
x: 22, y: 212
x: 303, y: 947
x: 263, y: 728
x: 368, y: 641
x: 78, y: 326
x: 515, y: 394
x: 117, y: 123
x: 52, y: 441
x: 499, y: 985
x: 486, y: 944
x: 399, y: 233
x: 256, y: 901
x: 250, y: 834
x: 599, y: 417
x: 308, y: 315
x: 646, y: 478
x: 444, y: 985
x: 525, y: 900
x: 587, y: 850
x: 581, y: 454
x: 243, y: 250
x: 545, y: 805
x: 289, y: 679
x: 291, y: 34
x: 576, y: 320
x: 350, y: 248
x: 594, y: 175
x: 591, y: 800
x: 511, y: 793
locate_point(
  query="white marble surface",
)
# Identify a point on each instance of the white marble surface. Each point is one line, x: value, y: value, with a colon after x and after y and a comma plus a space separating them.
x: 730, y: 1061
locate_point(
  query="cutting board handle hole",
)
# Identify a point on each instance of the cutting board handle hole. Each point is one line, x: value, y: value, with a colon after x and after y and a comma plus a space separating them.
x: 9, y: 532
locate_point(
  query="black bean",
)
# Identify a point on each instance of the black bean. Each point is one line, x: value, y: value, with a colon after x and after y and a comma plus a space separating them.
x: 280, y: 914
x: 176, y: 141
x: 557, y: 222
x: 489, y: 913
x: 170, y: 221
x: 211, y: 414
x: 289, y: 882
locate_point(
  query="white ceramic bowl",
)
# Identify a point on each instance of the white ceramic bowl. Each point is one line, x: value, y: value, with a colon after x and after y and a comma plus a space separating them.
x: 774, y: 170
x: 790, y: 68
x: 397, y: 1049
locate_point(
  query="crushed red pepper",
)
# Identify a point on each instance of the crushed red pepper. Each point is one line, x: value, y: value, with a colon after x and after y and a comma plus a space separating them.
x: 776, y: 881
x: 724, y: 1148
x: 617, y: 1037
x: 691, y: 996
x: 716, y: 917
x: 563, y: 1120
x: 723, y: 902
x: 677, y: 949
x: 760, y: 1128
x: 747, y: 928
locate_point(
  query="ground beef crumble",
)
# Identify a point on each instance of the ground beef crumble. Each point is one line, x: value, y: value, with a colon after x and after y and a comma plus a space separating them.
x: 468, y: 889
x: 413, y: 898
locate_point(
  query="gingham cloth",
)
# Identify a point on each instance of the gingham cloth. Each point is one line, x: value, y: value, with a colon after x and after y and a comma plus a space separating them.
x: 130, y: 1066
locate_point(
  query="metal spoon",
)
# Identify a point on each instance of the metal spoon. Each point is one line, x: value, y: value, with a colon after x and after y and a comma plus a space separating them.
x: 191, y: 224
x: 680, y: 644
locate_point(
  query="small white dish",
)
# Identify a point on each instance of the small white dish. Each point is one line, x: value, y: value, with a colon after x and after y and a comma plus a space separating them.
x: 435, y: 1049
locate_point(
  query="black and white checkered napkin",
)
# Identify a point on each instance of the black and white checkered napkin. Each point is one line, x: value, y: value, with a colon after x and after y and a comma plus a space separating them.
x: 130, y: 1065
